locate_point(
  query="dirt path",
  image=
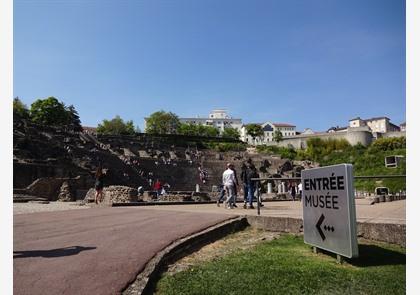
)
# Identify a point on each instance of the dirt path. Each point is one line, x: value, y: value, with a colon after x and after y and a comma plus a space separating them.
x: 242, y: 240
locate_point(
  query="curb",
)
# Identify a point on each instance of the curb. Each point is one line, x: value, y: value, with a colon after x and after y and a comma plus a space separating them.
x: 157, y: 203
x: 381, y: 232
x: 146, y: 279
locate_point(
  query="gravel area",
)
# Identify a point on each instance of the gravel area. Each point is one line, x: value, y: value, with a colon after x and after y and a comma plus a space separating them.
x: 31, y: 207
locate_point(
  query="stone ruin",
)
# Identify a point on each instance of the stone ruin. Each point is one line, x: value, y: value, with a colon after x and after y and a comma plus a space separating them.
x: 55, y: 164
x: 114, y: 194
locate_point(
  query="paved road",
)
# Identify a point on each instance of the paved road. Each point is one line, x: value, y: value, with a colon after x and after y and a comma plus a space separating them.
x: 95, y: 251
x: 101, y: 250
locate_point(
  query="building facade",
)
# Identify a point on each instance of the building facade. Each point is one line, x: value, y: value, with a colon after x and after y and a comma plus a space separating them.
x: 402, y: 127
x: 376, y: 125
x: 269, y: 129
x: 218, y: 118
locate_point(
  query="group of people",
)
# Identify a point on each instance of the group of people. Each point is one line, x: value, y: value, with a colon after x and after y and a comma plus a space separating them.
x: 161, y: 189
x: 158, y: 188
x: 230, y: 185
x: 295, y: 190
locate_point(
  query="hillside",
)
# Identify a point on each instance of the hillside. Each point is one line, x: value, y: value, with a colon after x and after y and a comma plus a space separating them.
x: 367, y: 161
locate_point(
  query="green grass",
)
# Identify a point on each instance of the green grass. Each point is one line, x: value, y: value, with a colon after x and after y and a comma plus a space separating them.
x: 288, y: 266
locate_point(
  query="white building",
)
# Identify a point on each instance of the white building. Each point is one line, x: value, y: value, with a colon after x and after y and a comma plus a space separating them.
x: 307, y: 131
x: 269, y: 128
x: 379, y: 124
x: 403, y: 127
x: 217, y: 118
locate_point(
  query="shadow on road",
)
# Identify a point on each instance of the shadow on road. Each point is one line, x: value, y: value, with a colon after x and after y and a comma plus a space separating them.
x: 67, y: 251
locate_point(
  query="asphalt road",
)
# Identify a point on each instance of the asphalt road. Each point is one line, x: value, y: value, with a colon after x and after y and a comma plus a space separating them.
x: 95, y: 251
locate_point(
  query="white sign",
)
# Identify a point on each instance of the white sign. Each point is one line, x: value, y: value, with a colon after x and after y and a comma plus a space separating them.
x: 329, y: 213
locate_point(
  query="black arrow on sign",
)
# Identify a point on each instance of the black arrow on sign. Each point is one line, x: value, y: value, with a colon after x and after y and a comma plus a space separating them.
x: 318, y: 226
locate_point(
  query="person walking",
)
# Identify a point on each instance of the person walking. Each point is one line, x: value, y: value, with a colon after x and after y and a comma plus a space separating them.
x: 293, y: 190
x: 300, y: 190
x: 157, y: 187
x: 229, y: 182
x: 244, y: 182
x: 235, y: 188
x: 99, y: 185
x: 250, y: 172
x: 221, y: 195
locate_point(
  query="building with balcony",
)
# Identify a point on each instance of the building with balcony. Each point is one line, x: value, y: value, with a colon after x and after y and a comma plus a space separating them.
x: 218, y: 118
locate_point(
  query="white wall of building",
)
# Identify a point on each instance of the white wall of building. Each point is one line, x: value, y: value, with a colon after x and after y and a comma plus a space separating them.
x: 217, y: 118
x: 269, y: 128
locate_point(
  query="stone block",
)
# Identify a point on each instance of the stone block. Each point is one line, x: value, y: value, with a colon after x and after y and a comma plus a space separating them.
x: 143, y: 154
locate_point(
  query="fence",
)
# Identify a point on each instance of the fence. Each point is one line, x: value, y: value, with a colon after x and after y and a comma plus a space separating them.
x: 258, y: 180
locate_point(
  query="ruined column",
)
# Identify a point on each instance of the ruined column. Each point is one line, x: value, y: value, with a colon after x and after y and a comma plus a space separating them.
x: 269, y: 188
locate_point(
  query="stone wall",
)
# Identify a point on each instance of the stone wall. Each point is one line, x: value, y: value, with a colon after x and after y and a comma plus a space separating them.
x: 129, y: 160
x: 394, y: 134
x: 114, y: 194
x: 50, y: 187
x: 353, y: 136
x: 383, y: 232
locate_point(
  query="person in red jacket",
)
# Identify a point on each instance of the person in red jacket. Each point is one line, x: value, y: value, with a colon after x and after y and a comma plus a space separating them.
x: 157, y: 187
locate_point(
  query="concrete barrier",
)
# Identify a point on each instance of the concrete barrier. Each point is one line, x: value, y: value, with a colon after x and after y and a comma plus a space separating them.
x: 145, y: 281
x: 382, y: 232
x: 147, y: 278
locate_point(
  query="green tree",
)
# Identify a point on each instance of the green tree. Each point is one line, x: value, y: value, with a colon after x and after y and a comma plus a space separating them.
x: 316, y: 148
x: 116, y: 126
x: 162, y: 122
x: 208, y: 131
x: 254, y: 130
x: 187, y: 129
x: 231, y: 133
x: 49, y: 111
x: 278, y: 136
x: 20, y: 109
x: 73, y: 119
x: 197, y: 130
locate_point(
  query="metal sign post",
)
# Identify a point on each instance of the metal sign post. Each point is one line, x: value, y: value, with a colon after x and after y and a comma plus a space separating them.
x: 329, y: 214
x: 258, y: 197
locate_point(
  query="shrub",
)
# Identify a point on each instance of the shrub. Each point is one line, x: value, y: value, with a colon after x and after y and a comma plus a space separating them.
x: 388, y: 144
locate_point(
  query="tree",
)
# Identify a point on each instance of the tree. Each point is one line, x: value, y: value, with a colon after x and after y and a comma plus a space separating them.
x: 231, y: 133
x: 208, y: 131
x: 49, y: 111
x: 20, y: 109
x: 73, y: 119
x: 197, y: 130
x: 278, y: 136
x: 162, y: 122
x: 116, y: 126
x: 187, y: 129
x: 254, y: 130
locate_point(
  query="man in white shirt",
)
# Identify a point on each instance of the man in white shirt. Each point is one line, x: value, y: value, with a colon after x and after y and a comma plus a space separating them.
x: 300, y: 190
x: 229, y: 181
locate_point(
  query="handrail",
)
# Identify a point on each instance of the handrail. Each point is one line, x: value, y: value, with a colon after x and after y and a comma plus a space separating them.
x: 300, y: 178
x: 355, y: 177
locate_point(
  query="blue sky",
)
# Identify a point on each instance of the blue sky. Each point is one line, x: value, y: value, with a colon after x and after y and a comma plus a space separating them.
x: 310, y: 63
